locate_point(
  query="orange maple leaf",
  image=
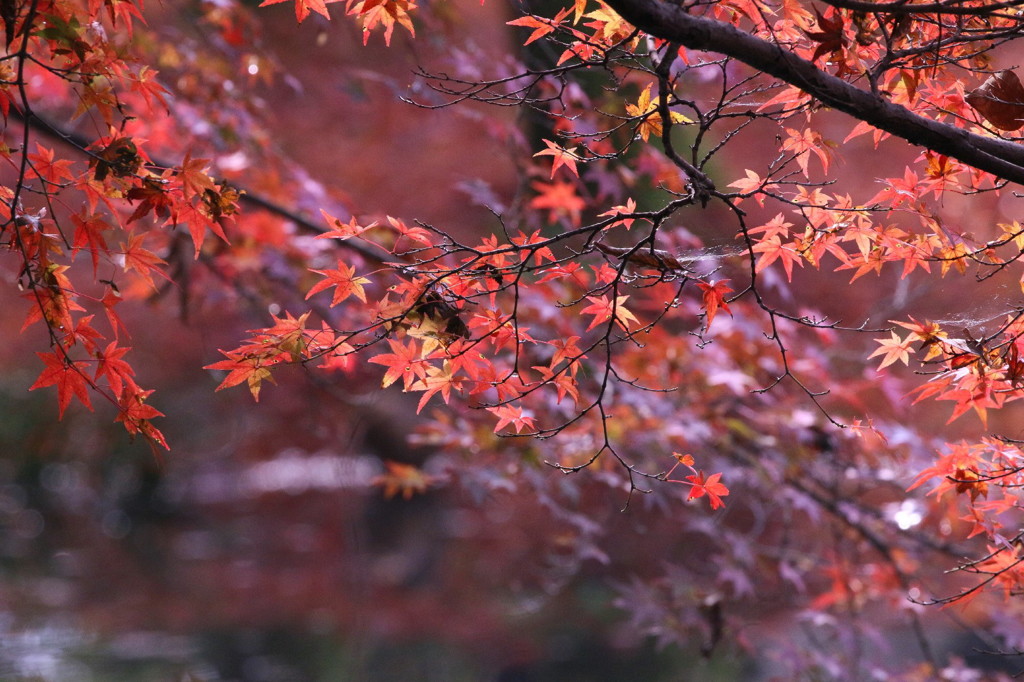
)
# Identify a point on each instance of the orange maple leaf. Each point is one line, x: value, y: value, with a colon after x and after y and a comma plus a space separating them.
x: 894, y: 349
x: 344, y: 281
x: 386, y: 13
x: 438, y: 380
x: 541, y: 26
x: 562, y: 157
x: 560, y: 199
x: 511, y: 415
x: 805, y: 142
x: 403, y: 363
x: 772, y: 249
x: 404, y: 479
x: 651, y: 117
x: 247, y: 368
x: 340, y: 230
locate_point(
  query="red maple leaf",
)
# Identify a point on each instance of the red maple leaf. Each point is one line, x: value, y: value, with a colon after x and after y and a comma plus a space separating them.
x: 118, y: 372
x: 304, y: 7
x: 714, y: 298
x: 193, y: 177
x: 69, y: 378
x: 709, y: 486
x: 142, y: 260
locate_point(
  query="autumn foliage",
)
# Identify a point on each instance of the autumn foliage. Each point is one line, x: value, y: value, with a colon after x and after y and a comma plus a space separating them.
x: 685, y: 183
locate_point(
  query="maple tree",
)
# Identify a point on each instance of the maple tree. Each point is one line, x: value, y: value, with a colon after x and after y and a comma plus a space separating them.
x: 689, y: 173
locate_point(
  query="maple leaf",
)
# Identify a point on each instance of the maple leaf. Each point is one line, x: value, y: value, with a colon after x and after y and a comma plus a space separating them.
x: 648, y: 110
x: 829, y: 35
x: 193, y: 177
x: 894, y: 349
x: 145, y: 84
x: 154, y: 197
x: 135, y: 409
x: 541, y: 26
x: 415, y: 233
x: 386, y: 13
x: 304, y: 7
x: 753, y: 185
x: 136, y: 414
x: 53, y: 172
x: 562, y: 157
x: 438, y: 380
x: 574, y: 272
x: 69, y: 378
x: 340, y: 230
x: 709, y: 486
x: 403, y: 478
x: 51, y: 304
x: 118, y: 372
x: 142, y: 260
x: 772, y: 249
x: 628, y: 208
x: 82, y: 333
x: 403, y: 362
x: 603, y: 309
x: 112, y: 297
x: 685, y: 460
x: 248, y: 368
x: 511, y: 415
x: 540, y: 254
x: 560, y: 199
x: 608, y: 26
x: 344, y: 281
x: 89, y: 233
x: 564, y: 382
x: 566, y: 350
x: 714, y: 298
x: 803, y: 144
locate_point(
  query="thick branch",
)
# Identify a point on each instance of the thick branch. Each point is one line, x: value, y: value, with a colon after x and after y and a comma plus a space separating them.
x: 672, y: 23
x: 903, y: 7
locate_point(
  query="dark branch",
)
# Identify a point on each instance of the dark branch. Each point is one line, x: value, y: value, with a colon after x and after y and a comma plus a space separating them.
x: 903, y: 7
x: 254, y: 199
x: 672, y: 23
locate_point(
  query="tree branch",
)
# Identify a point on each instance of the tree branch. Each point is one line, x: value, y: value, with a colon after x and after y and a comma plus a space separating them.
x: 672, y: 23
x: 254, y: 199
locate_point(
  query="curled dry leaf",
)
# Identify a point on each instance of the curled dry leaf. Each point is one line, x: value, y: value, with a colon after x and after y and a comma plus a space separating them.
x: 652, y: 258
x: 1000, y: 100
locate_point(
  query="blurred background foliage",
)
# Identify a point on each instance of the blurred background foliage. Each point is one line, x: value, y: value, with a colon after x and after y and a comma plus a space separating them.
x: 260, y: 550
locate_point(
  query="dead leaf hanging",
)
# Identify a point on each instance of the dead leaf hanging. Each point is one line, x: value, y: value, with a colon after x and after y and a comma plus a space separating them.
x: 1000, y: 100
x: 652, y: 258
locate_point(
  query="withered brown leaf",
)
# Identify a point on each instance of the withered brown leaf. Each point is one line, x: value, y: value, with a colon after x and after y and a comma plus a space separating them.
x: 652, y: 258
x: 1000, y: 100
